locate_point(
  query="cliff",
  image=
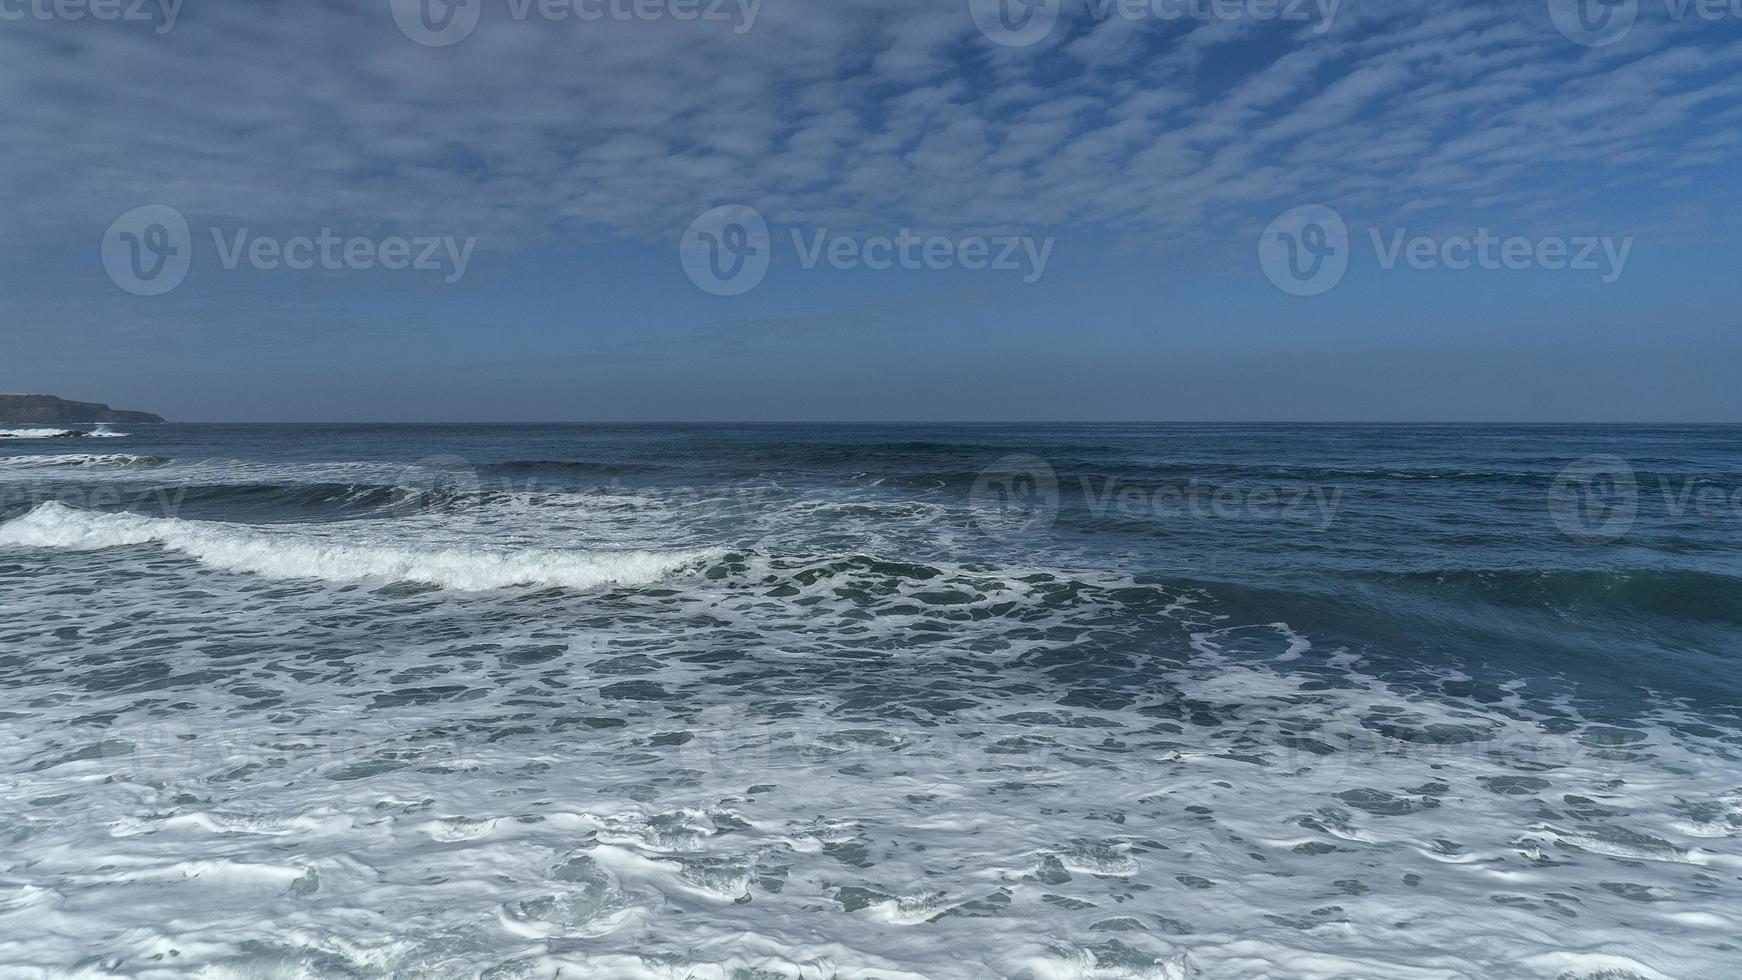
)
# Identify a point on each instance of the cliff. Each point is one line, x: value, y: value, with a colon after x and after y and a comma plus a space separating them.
x: 48, y: 408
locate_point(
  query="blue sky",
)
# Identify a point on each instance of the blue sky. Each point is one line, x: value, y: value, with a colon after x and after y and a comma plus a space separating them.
x: 1151, y: 154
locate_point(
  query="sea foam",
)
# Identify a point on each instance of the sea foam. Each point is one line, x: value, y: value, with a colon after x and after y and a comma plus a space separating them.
x: 99, y: 433
x: 293, y: 552
x: 877, y: 739
x: 83, y: 459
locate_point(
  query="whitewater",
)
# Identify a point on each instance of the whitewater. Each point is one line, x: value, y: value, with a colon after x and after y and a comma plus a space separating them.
x: 734, y: 702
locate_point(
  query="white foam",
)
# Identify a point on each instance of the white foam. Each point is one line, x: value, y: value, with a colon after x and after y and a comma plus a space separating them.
x: 82, y: 459
x: 335, y: 553
x: 206, y: 748
x: 495, y: 851
x: 37, y: 433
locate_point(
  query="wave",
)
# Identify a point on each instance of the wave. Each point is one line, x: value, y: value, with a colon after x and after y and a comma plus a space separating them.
x: 249, y: 495
x: 60, y: 434
x: 290, y: 499
x: 304, y: 553
x: 567, y: 468
x: 83, y: 459
x: 41, y: 434
x: 1686, y: 594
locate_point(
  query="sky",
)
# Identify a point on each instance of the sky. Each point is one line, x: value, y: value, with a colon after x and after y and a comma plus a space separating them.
x: 974, y: 210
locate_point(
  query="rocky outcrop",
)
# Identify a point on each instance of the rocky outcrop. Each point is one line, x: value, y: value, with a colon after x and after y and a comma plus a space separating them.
x: 48, y: 408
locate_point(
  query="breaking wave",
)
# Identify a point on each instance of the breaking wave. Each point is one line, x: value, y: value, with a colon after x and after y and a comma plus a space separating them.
x: 83, y: 459
x: 303, y: 552
x: 60, y: 434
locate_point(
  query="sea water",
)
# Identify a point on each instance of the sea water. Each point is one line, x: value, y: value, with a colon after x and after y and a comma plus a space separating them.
x: 871, y: 701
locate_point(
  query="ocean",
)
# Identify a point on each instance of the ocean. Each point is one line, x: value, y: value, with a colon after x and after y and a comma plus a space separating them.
x: 871, y: 701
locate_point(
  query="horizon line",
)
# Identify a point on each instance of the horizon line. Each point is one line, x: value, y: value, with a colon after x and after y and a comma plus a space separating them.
x: 915, y: 422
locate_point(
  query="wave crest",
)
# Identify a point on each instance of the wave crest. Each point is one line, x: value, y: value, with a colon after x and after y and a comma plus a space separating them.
x: 83, y: 459
x: 304, y: 553
x: 60, y: 434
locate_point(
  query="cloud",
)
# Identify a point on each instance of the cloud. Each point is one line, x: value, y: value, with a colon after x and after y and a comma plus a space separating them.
x: 887, y: 115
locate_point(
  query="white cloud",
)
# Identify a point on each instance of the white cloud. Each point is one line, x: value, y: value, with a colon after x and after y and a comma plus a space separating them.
x: 888, y: 115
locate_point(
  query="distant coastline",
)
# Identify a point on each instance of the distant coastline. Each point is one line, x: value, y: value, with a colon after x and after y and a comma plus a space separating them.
x: 54, y: 410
